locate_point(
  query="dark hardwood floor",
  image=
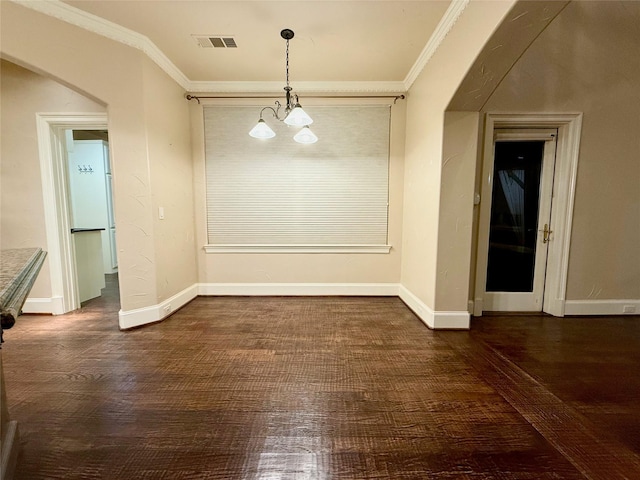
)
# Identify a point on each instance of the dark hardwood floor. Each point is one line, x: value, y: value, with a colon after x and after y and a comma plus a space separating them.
x: 322, y: 388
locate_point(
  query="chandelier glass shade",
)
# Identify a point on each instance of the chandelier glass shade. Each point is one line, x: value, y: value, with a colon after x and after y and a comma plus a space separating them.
x: 305, y: 135
x: 262, y: 130
x: 298, y: 117
x: 293, y: 114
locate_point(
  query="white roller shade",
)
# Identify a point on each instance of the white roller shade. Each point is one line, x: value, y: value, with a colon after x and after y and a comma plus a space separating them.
x: 279, y: 192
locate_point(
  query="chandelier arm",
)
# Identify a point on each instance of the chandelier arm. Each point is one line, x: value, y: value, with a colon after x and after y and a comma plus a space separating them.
x: 273, y: 111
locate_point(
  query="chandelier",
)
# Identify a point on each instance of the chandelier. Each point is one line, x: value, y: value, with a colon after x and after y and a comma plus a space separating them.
x: 293, y: 113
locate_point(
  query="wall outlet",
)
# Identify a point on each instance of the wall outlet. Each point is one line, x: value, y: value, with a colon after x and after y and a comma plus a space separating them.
x: 629, y: 309
x: 167, y: 308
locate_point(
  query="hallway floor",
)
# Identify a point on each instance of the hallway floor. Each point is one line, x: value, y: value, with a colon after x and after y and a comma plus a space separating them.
x: 322, y: 388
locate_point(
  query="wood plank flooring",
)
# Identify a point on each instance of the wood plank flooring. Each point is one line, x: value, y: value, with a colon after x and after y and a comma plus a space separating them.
x: 322, y: 388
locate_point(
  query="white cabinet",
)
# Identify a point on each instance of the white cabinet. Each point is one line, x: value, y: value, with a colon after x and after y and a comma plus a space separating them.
x: 89, y: 248
x: 91, y: 194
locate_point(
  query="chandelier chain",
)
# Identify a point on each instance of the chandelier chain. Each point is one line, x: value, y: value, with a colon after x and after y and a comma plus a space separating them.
x: 287, y: 63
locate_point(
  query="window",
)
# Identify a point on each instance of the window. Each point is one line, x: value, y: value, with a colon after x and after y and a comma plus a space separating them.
x: 277, y: 194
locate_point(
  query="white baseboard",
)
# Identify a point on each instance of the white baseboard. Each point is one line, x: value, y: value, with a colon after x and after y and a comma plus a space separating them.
x: 433, y: 319
x: 602, y: 307
x: 52, y: 306
x: 299, y: 289
x: 154, y: 313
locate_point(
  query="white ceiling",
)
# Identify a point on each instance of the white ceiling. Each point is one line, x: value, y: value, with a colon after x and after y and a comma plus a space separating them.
x: 336, y: 41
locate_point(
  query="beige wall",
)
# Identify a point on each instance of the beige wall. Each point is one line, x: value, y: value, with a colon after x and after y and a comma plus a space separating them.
x: 23, y: 94
x: 304, y: 268
x: 120, y: 77
x: 169, y: 143
x: 427, y: 262
x: 459, y: 158
x: 587, y: 60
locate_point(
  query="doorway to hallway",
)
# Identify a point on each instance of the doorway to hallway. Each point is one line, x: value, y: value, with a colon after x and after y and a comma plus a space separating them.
x: 67, y: 255
x: 91, y: 209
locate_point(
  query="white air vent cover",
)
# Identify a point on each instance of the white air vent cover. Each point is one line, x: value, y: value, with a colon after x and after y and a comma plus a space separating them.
x: 215, y: 41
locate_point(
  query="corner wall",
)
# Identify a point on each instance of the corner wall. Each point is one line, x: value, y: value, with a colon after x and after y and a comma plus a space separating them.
x: 426, y: 231
x: 169, y: 149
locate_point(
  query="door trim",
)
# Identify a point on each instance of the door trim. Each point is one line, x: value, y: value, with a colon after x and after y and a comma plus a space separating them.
x: 569, y: 127
x: 55, y: 194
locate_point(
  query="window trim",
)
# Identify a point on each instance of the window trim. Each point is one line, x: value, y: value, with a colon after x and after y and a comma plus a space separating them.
x: 375, y: 249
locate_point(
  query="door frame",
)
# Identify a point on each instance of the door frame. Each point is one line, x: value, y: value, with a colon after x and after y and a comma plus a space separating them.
x: 569, y: 127
x: 55, y: 194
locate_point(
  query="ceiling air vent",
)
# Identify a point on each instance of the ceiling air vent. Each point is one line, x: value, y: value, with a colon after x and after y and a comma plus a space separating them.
x: 215, y: 41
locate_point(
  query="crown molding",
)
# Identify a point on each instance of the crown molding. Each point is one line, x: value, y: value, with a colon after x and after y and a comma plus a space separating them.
x: 110, y: 30
x: 445, y: 25
x: 74, y: 16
